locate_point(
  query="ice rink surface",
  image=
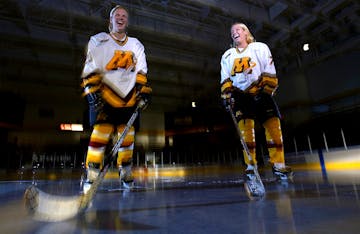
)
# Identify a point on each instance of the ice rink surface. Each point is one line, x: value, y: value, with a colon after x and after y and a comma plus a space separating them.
x: 206, y: 202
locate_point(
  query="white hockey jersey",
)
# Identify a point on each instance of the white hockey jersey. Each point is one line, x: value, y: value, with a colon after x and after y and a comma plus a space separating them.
x: 246, y: 67
x: 103, y: 49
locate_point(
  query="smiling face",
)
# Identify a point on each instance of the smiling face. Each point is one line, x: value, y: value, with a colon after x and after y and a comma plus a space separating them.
x: 119, y: 21
x: 239, y: 35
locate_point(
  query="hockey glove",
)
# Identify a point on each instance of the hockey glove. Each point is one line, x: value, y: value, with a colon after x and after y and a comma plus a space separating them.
x: 226, y: 93
x: 91, y: 90
x: 143, y: 90
x: 227, y: 101
x: 94, y: 100
x: 144, y: 96
x: 95, y: 104
x: 268, y: 83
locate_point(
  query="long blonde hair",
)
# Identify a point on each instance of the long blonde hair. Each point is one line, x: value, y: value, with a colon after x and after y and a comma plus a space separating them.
x: 250, y: 38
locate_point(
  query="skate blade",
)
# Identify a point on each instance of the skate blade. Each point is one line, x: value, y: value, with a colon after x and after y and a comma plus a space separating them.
x: 289, y: 178
x: 258, y: 196
x: 128, y: 186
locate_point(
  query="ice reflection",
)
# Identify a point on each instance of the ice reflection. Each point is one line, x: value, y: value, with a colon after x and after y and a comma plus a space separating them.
x: 205, y: 199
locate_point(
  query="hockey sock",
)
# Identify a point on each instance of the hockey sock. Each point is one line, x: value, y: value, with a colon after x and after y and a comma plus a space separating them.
x: 99, y: 139
x: 274, y: 140
x: 247, y: 128
x: 125, y: 152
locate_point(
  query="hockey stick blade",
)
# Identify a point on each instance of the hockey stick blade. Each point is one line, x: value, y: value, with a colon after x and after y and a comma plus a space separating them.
x: 253, y: 192
x: 54, y: 208
x: 51, y: 208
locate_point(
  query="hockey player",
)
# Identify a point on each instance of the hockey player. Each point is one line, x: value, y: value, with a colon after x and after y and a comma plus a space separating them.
x: 114, y: 81
x: 248, y: 84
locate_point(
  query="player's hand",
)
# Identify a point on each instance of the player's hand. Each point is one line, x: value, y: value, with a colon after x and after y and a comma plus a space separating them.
x: 144, y: 100
x: 94, y: 100
x: 143, y: 95
x: 227, y: 101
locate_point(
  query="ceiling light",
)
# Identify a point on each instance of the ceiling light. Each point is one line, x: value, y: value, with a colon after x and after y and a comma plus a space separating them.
x: 71, y: 127
x: 306, y: 47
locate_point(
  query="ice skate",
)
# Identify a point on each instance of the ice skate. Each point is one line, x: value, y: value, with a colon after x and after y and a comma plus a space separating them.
x: 283, y: 173
x: 126, y: 177
x: 91, y: 175
x: 253, y: 186
x: 86, y: 186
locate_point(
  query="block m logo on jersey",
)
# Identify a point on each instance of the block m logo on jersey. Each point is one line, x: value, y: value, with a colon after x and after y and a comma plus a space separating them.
x: 122, y: 59
x: 241, y: 65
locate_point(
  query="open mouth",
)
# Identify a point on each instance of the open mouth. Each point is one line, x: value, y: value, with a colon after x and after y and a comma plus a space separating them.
x: 235, y: 36
x: 120, y: 22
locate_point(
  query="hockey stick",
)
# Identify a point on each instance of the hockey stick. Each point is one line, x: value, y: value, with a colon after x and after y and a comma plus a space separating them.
x: 53, y: 208
x: 247, y: 152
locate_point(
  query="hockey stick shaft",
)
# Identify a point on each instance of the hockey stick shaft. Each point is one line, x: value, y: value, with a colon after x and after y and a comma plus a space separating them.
x: 243, y: 143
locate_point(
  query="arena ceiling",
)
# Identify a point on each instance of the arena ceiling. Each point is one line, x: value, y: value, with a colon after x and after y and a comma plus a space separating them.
x: 43, y: 41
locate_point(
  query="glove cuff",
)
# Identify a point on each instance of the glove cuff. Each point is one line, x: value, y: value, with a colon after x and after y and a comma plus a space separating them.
x: 145, y: 90
x: 226, y: 86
